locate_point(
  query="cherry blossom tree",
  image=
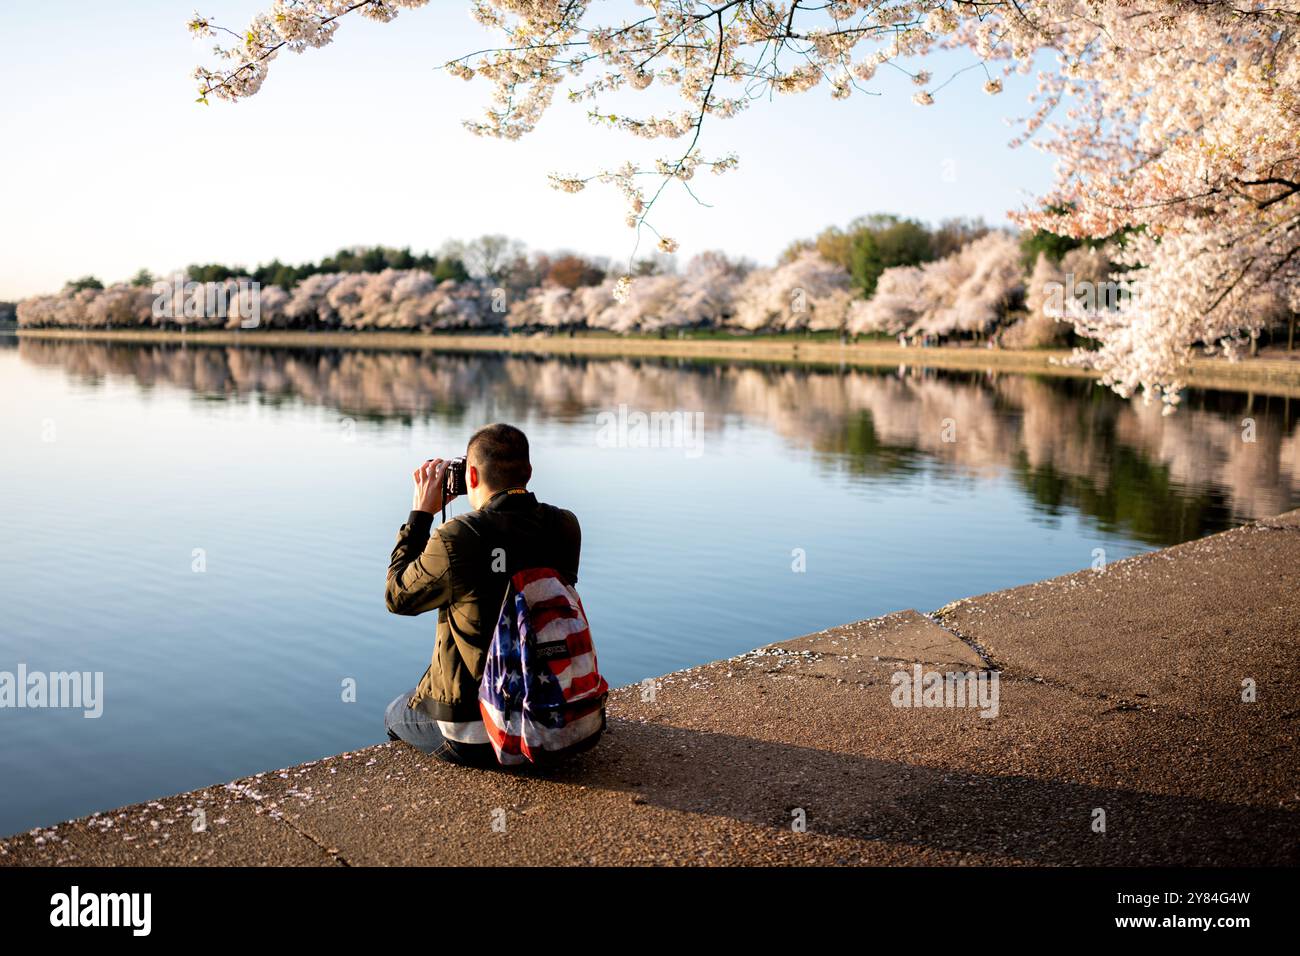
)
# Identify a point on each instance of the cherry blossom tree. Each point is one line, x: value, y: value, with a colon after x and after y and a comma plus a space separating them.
x: 1176, y: 118
x: 806, y: 293
x: 702, y: 295
x: 894, y: 307
x: 708, y: 293
x: 968, y: 291
x: 310, y: 299
x: 1042, y: 323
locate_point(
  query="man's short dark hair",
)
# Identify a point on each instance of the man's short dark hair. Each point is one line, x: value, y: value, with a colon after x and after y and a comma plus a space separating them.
x: 500, y: 452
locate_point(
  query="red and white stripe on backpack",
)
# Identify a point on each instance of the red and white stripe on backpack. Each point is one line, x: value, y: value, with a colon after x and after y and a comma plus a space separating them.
x: 541, y: 695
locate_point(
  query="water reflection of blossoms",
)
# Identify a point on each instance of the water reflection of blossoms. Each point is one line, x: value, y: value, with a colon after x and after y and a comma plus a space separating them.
x: 1070, y: 443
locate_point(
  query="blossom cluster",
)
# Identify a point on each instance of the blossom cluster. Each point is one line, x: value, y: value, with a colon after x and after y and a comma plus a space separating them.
x: 968, y: 291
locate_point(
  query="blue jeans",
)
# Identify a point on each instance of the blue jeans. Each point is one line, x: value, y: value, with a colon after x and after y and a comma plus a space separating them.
x: 417, y: 728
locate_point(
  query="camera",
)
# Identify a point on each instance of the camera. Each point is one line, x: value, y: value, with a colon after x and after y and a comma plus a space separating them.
x: 453, y: 479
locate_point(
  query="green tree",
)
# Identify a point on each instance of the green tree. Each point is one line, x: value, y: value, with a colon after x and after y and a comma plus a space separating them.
x: 882, y: 242
x: 399, y: 258
x: 450, y: 267
x: 269, y: 272
x: 1048, y: 243
x: 213, y: 272
x: 871, y: 244
x: 833, y: 244
x: 85, y: 282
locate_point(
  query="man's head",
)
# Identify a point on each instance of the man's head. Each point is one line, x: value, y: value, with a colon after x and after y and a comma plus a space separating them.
x: 497, y: 460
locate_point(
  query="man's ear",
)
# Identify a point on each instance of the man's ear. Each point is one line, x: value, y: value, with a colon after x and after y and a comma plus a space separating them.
x: 471, y: 476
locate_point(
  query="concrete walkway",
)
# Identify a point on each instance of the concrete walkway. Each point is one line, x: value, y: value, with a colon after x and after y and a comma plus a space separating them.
x: 1120, y: 692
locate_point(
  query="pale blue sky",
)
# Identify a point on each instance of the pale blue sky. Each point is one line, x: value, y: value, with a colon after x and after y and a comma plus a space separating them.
x: 108, y: 165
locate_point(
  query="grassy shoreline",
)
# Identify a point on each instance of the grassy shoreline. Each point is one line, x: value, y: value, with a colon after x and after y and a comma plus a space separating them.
x: 1265, y: 375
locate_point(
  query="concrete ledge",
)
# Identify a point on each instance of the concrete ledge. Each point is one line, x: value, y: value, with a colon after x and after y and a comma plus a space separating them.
x: 1120, y: 691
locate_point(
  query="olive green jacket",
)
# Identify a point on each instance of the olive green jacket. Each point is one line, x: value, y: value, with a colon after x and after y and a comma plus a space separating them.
x: 462, y: 570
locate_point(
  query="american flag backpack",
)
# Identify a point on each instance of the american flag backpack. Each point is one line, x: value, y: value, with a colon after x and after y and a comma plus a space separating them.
x: 541, y: 695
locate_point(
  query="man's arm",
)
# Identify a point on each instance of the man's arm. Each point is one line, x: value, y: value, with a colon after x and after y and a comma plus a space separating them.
x: 419, y: 577
x: 419, y: 571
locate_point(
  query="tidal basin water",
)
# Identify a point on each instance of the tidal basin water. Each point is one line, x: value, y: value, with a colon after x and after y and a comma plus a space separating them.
x: 209, y: 527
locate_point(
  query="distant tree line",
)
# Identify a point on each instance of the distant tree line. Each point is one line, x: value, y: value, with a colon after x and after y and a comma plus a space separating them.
x: 356, y: 259
x: 880, y: 275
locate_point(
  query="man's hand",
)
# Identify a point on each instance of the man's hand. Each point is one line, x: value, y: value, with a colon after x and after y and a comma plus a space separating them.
x: 428, y: 486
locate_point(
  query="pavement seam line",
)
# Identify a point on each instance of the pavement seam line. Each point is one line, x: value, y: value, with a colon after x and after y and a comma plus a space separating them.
x: 974, y: 645
x: 1010, y: 675
x: 333, y: 854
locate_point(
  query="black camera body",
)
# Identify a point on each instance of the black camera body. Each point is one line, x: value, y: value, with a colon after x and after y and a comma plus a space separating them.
x: 453, y: 479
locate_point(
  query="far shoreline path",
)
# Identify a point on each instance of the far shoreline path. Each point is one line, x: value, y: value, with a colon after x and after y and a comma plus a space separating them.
x: 1121, y: 694
x: 1271, y: 374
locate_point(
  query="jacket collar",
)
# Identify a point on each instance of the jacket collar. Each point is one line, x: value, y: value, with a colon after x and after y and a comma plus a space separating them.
x: 512, y: 499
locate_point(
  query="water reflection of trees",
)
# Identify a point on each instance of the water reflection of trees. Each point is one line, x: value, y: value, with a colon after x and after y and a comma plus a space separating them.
x: 1070, y: 444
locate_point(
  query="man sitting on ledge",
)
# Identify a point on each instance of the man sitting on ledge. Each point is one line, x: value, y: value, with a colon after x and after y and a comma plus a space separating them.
x: 463, y: 570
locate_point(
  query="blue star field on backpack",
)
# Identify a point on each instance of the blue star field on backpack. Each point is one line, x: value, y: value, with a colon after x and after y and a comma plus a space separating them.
x: 541, y: 695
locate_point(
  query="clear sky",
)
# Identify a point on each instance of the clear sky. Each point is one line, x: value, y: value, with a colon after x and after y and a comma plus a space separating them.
x: 109, y: 165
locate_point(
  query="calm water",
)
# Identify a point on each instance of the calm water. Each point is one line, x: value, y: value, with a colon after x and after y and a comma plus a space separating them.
x: 291, y: 471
